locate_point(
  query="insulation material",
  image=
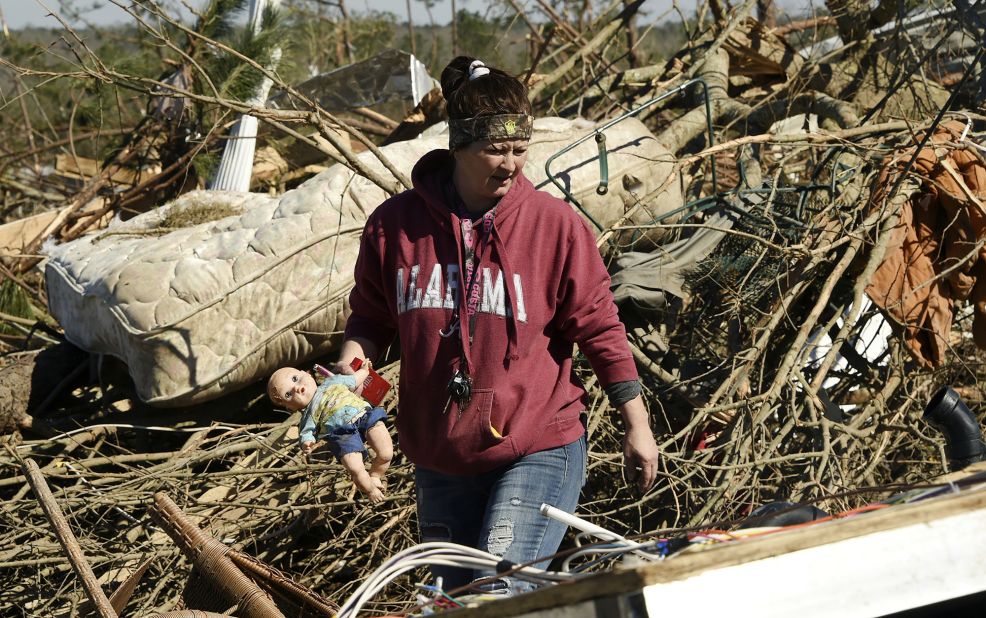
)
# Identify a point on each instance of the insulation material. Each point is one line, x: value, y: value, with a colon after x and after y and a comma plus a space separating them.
x: 198, y: 309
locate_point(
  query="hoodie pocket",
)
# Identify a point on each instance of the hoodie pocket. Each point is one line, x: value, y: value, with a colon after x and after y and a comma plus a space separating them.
x: 472, y: 431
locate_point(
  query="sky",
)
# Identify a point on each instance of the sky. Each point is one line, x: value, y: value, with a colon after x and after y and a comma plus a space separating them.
x: 21, y: 13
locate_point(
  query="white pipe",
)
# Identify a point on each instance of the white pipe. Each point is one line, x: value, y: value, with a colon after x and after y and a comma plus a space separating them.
x: 236, y: 166
x: 580, y: 524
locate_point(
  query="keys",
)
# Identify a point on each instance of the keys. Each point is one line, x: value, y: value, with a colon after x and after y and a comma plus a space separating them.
x: 460, y: 389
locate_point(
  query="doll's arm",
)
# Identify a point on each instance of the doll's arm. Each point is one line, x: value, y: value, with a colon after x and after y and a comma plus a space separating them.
x: 360, y: 377
x: 306, y: 431
x: 351, y: 381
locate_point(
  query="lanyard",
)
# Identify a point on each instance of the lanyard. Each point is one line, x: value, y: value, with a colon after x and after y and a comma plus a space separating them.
x: 474, y: 236
x: 472, y: 248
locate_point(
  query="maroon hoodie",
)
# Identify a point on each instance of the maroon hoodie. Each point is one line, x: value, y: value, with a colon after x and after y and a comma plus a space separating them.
x: 543, y: 287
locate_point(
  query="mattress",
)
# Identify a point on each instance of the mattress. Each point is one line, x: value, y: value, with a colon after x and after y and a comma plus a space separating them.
x: 215, y: 290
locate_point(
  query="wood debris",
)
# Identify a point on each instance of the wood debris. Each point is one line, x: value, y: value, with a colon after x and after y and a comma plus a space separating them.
x: 748, y: 403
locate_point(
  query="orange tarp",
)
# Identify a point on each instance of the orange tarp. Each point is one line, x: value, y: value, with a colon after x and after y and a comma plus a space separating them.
x: 936, y: 254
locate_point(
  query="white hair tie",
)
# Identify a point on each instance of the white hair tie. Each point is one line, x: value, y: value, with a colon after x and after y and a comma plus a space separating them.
x: 477, y: 69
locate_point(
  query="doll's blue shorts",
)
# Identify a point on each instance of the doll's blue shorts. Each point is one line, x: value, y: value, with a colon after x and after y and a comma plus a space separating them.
x: 350, y: 437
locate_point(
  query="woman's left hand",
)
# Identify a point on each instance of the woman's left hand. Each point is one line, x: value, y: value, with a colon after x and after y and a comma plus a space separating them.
x: 640, y: 450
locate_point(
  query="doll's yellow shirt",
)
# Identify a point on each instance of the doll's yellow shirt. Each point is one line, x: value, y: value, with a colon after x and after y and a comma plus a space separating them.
x: 338, y: 406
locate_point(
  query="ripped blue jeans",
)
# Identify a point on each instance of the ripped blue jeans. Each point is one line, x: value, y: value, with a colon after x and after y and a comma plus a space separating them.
x: 498, y: 511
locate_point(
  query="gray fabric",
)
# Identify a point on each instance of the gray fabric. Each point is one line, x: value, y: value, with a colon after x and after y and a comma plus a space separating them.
x: 622, y: 392
x: 646, y: 278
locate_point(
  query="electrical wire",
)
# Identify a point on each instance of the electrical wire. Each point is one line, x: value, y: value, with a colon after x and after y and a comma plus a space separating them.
x: 616, y: 547
x: 460, y: 556
x: 437, y: 554
x: 609, y: 552
x: 441, y: 593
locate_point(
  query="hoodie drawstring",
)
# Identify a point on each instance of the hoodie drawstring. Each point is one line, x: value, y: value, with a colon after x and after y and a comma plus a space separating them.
x: 508, y: 275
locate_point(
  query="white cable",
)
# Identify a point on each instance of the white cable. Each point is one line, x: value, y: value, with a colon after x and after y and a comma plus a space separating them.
x: 401, y: 564
x: 975, y: 145
x: 598, y: 549
x: 965, y: 133
x: 649, y: 547
x: 436, y: 553
x: 585, y: 526
x: 968, y: 125
x: 389, y: 570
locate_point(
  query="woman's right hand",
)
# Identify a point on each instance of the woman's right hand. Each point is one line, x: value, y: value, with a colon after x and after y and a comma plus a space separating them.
x: 356, y: 347
x: 342, y: 368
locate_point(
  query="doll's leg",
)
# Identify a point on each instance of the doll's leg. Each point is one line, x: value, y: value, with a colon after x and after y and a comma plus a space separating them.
x: 353, y: 463
x: 383, y: 448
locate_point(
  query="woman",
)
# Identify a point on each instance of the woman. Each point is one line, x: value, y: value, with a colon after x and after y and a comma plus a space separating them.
x: 488, y: 284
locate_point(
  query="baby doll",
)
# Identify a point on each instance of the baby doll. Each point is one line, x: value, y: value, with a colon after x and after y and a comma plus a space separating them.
x: 333, y: 411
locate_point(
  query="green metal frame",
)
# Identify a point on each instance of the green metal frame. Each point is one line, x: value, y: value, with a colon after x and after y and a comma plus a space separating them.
x: 603, y: 187
x: 694, y: 206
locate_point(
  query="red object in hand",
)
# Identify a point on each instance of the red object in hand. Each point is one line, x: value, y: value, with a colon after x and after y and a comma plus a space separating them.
x: 374, y: 386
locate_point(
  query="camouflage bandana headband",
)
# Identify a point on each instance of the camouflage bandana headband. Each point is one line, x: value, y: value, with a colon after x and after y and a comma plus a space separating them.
x: 502, y: 126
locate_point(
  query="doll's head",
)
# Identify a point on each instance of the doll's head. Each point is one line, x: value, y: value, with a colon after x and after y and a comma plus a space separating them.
x: 291, y: 388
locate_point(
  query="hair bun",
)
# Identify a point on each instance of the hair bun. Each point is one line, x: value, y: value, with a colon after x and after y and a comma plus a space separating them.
x: 467, y: 96
x: 455, y: 76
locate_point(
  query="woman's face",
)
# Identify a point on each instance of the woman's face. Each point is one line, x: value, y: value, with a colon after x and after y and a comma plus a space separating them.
x: 485, y: 170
